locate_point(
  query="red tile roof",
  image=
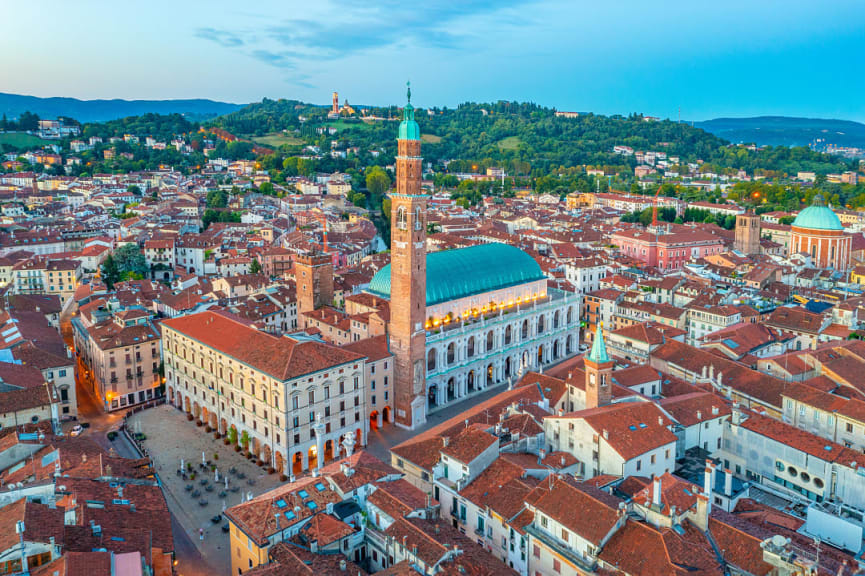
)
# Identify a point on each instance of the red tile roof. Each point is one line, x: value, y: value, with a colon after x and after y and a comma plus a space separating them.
x: 282, y: 358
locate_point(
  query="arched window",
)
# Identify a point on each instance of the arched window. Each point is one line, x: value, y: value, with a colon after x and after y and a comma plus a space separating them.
x: 418, y: 219
x: 525, y: 331
x: 401, y: 218
x: 540, y: 323
x: 556, y: 319
x: 431, y: 360
x: 490, y: 340
x: 570, y: 314
x: 470, y: 349
x: 451, y: 353
x: 507, y: 335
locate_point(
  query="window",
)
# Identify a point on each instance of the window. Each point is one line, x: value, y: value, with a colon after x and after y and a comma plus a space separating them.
x: 849, y: 427
x: 401, y: 218
x: 557, y: 566
x: 536, y: 551
x: 311, y: 397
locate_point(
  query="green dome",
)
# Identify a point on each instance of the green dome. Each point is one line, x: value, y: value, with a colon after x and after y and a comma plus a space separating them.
x: 408, y: 128
x: 462, y: 272
x: 818, y: 216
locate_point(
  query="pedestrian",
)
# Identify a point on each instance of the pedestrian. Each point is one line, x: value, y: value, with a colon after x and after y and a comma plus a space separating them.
x: 201, y: 533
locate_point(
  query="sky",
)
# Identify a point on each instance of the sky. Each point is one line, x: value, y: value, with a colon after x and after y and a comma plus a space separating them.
x: 693, y: 59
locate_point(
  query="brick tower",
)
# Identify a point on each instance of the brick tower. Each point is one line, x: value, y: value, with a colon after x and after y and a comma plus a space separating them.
x: 408, y: 276
x: 748, y: 233
x: 599, y: 373
x: 314, y: 277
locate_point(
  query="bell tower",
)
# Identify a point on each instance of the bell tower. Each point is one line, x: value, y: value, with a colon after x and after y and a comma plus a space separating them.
x: 408, y: 276
x: 599, y: 373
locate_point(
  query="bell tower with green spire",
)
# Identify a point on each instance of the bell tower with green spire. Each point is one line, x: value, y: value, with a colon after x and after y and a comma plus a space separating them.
x: 599, y: 373
x: 408, y: 276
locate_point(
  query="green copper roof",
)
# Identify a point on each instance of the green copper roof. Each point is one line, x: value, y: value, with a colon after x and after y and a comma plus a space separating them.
x: 408, y: 128
x: 598, y: 354
x: 818, y: 216
x: 462, y: 272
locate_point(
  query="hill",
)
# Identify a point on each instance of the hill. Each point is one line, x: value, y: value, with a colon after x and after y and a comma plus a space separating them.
x: 786, y: 131
x: 102, y: 110
x: 525, y: 138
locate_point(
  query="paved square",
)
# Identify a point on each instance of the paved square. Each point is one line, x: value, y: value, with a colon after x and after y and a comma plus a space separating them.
x: 170, y: 437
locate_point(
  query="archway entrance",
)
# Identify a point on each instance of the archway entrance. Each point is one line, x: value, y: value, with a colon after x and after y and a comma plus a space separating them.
x: 471, y: 380
x: 490, y: 375
x: 373, y: 420
x: 297, y: 463
x: 312, y: 457
x: 508, y: 367
x: 540, y: 354
x: 280, y: 463
x: 386, y: 413
x: 432, y: 395
x: 328, y: 450
x: 451, y: 389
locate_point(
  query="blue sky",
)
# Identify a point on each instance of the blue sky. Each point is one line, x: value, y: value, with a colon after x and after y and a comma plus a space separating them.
x: 709, y: 59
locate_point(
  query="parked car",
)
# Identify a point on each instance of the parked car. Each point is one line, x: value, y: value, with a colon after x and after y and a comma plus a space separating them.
x: 77, y: 430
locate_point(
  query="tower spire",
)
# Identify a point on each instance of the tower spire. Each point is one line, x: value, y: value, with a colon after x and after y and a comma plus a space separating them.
x: 408, y: 91
x: 598, y: 354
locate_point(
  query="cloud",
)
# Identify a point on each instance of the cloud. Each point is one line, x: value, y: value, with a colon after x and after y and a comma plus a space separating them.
x: 354, y: 26
x: 224, y: 38
x: 277, y: 59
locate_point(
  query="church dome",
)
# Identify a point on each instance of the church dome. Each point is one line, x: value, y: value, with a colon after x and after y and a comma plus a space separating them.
x: 462, y: 272
x: 818, y: 216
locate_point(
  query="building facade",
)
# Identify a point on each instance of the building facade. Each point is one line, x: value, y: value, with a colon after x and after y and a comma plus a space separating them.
x: 294, y: 401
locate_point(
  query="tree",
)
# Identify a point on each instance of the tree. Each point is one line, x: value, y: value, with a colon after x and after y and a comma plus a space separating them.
x: 377, y: 181
x: 130, y: 261
x: 216, y: 199
x: 385, y: 209
x: 110, y: 272
x: 244, y: 439
x: 255, y: 267
x: 266, y: 188
x: 358, y: 199
x: 134, y: 189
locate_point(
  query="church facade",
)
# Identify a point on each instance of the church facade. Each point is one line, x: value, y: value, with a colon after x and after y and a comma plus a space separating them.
x: 466, y: 319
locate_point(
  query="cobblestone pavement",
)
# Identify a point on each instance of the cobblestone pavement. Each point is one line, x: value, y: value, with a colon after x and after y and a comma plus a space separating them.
x: 170, y: 437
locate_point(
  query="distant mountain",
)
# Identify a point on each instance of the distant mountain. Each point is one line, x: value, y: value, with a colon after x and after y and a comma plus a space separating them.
x: 101, y: 110
x: 786, y: 131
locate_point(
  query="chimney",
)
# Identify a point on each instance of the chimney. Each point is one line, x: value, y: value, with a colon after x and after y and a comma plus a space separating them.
x: 606, y: 434
x: 704, y: 509
x: 711, y: 371
x: 709, y: 479
x: 660, y: 420
x: 728, y: 483
x: 656, y: 491
x: 276, y: 516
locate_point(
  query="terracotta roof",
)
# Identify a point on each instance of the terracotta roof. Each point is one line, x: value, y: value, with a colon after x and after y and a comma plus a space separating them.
x: 585, y: 510
x: 468, y: 444
x: 630, y: 428
x: 282, y: 358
